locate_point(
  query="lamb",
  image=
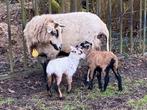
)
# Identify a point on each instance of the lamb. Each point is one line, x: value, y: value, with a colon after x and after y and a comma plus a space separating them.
x: 66, y: 65
x: 101, y: 62
x: 49, y: 32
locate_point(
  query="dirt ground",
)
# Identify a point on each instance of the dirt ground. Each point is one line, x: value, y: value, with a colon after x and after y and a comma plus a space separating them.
x: 29, y: 93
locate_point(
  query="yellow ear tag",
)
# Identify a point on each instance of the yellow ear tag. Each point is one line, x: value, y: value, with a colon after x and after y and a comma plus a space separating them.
x: 35, y: 53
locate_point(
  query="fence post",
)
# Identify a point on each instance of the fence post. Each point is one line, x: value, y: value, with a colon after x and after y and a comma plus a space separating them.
x: 9, y: 36
x: 131, y: 27
x: 23, y: 26
x: 87, y: 5
x: 36, y: 7
x: 144, y: 28
x: 110, y: 26
x: 50, y: 6
x: 121, y: 26
x: 62, y: 6
x: 140, y: 25
x: 98, y: 7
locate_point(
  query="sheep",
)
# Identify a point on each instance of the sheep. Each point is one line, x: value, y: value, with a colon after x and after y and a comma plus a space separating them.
x: 82, y: 25
x: 52, y: 34
x: 66, y: 65
x: 101, y: 62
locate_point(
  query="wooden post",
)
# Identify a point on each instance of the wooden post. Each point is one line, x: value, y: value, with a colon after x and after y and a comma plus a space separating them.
x: 140, y: 25
x: 110, y: 21
x: 98, y: 7
x: 121, y: 26
x: 36, y: 7
x: 131, y: 26
x: 50, y: 6
x: 62, y: 6
x: 9, y: 36
x: 144, y: 27
x: 23, y: 26
x: 76, y: 5
x: 87, y: 5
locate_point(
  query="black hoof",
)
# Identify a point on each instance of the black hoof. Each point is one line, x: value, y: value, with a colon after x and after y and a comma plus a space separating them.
x: 50, y: 95
x: 90, y: 87
x: 68, y: 92
x: 61, y: 98
x: 102, y: 90
x: 120, y: 89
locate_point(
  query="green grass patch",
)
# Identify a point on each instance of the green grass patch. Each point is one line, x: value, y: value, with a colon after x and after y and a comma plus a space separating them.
x: 8, y: 101
x: 138, y: 103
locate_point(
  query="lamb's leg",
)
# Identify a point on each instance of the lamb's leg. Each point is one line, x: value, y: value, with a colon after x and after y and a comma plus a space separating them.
x: 49, y: 85
x: 91, y: 77
x: 99, y: 80
x: 69, y: 81
x: 58, y: 87
x: 88, y: 75
x: 118, y: 77
x: 106, y: 79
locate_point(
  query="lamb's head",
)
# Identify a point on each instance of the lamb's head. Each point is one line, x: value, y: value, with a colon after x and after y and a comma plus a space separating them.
x: 86, y: 46
x: 77, y: 52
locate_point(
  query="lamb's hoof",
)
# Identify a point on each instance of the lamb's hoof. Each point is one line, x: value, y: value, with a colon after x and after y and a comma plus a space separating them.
x: 90, y: 87
x: 68, y: 92
x: 120, y: 89
x: 50, y: 95
x: 61, y: 98
x: 102, y: 90
x: 85, y: 83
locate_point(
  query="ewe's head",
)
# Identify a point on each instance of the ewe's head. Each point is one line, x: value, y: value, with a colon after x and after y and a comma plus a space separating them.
x: 54, y: 31
x: 47, y: 39
x: 77, y: 52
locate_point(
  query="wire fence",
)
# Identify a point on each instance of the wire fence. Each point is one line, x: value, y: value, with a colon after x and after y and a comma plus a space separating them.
x: 126, y: 21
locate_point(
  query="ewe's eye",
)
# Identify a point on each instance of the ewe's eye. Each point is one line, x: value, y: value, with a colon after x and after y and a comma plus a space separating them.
x: 55, y: 33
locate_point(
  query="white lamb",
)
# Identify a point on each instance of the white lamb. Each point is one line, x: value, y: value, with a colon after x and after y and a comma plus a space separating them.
x: 66, y: 65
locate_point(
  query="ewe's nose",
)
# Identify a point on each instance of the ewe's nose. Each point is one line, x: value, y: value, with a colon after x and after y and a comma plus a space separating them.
x: 60, y: 47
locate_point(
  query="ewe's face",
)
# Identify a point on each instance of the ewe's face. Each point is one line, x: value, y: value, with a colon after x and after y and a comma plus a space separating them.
x: 76, y: 51
x: 54, y: 30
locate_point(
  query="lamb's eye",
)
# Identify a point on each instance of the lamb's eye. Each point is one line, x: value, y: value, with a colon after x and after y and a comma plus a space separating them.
x: 73, y: 51
x: 80, y: 52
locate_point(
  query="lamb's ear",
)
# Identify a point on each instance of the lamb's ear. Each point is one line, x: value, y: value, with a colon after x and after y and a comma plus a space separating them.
x: 72, y: 48
x: 49, y: 29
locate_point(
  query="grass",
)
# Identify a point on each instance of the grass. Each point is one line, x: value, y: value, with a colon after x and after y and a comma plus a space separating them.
x: 8, y: 101
x: 138, y: 103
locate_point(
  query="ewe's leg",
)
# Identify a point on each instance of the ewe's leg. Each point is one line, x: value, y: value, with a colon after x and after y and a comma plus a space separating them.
x: 69, y: 81
x: 106, y: 78
x: 58, y: 87
x: 49, y: 85
x: 118, y: 77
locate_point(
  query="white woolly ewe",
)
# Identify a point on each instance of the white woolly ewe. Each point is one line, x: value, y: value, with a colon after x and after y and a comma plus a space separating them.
x: 78, y: 27
x: 65, y: 65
